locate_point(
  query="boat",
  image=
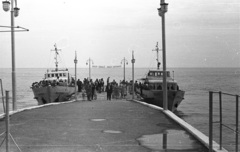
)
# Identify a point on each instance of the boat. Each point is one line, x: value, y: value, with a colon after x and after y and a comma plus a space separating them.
x: 150, y: 88
x: 56, y: 86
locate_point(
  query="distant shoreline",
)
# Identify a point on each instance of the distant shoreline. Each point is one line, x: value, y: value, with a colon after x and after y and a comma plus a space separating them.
x: 129, y: 67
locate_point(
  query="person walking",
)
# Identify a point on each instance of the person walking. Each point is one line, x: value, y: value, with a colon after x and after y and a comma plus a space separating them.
x: 109, y: 91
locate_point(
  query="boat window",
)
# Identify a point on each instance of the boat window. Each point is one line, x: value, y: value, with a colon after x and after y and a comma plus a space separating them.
x: 159, y: 74
x: 150, y: 73
x: 151, y: 86
x: 64, y: 74
x: 60, y: 74
x: 52, y: 75
x: 56, y: 75
x: 159, y: 87
x: 170, y: 87
x: 168, y: 74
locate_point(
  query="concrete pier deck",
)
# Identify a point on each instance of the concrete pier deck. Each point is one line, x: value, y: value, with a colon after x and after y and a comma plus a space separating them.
x: 98, y: 126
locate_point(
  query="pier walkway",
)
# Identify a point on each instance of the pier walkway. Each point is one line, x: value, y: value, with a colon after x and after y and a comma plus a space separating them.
x: 97, y: 126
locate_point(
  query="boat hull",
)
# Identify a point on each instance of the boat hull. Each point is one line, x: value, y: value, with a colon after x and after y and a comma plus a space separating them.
x: 50, y: 94
x: 155, y: 97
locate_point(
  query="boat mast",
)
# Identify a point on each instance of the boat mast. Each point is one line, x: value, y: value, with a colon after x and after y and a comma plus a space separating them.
x: 56, y: 54
x: 157, y: 50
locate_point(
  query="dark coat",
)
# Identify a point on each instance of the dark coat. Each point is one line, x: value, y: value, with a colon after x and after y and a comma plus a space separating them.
x: 109, y: 88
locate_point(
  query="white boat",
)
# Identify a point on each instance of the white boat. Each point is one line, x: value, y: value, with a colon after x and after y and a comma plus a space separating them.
x: 150, y: 88
x: 56, y: 86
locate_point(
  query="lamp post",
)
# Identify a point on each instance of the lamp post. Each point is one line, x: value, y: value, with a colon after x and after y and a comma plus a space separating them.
x: 14, y: 13
x: 89, y: 61
x: 133, y: 61
x: 124, y: 61
x: 75, y: 61
x: 161, y: 12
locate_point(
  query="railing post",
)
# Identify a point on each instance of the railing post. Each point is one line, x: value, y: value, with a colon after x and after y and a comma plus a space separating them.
x: 210, y: 119
x: 236, y: 142
x: 220, y: 121
x: 7, y: 121
x: 2, y: 96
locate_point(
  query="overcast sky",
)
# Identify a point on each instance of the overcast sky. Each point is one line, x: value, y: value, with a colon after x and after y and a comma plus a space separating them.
x: 199, y: 33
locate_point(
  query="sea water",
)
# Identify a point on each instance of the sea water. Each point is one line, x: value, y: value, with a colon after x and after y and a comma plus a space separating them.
x: 196, y: 82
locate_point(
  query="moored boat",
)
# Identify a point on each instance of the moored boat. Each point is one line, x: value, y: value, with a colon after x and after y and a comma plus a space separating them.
x: 150, y: 88
x: 56, y: 86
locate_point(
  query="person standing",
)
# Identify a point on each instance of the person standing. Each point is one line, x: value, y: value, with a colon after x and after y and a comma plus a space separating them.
x: 89, y: 91
x: 79, y: 84
x: 109, y: 91
x: 93, y: 91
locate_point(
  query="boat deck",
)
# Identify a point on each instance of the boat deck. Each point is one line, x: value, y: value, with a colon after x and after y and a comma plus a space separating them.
x: 98, y: 126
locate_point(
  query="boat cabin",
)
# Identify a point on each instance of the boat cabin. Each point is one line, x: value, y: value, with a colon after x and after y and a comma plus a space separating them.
x: 159, y: 86
x: 156, y: 73
x: 57, y: 75
x: 154, y: 81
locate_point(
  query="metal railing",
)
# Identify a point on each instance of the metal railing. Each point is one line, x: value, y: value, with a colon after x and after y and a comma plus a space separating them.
x: 2, y: 96
x: 221, y: 120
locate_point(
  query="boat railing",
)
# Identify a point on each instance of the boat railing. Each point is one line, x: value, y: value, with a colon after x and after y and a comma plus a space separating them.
x: 221, y: 123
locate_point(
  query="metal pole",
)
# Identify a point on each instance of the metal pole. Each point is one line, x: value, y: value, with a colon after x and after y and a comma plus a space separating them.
x: 13, y: 59
x: 165, y: 140
x: 220, y: 121
x: 124, y: 69
x: 75, y: 61
x: 133, y: 74
x: 210, y: 119
x: 76, y: 81
x: 165, y: 101
x: 7, y: 121
x: 89, y: 68
x: 237, y: 107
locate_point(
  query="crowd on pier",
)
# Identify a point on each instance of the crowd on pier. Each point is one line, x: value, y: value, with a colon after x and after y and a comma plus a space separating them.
x: 90, y: 88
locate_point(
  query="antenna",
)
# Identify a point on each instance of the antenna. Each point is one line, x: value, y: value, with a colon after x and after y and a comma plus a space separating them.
x: 157, y: 50
x: 56, y: 54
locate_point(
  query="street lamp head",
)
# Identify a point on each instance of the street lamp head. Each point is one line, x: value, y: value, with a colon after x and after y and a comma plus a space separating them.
x: 164, y: 7
x: 16, y: 11
x: 159, y: 12
x: 6, y: 5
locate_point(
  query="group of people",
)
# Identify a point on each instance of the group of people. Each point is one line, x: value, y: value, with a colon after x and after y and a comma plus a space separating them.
x: 57, y: 82
x: 90, y: 88
x: 115, y: 90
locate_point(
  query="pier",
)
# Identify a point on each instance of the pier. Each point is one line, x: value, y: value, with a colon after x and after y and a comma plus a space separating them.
x: 118, y: 125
